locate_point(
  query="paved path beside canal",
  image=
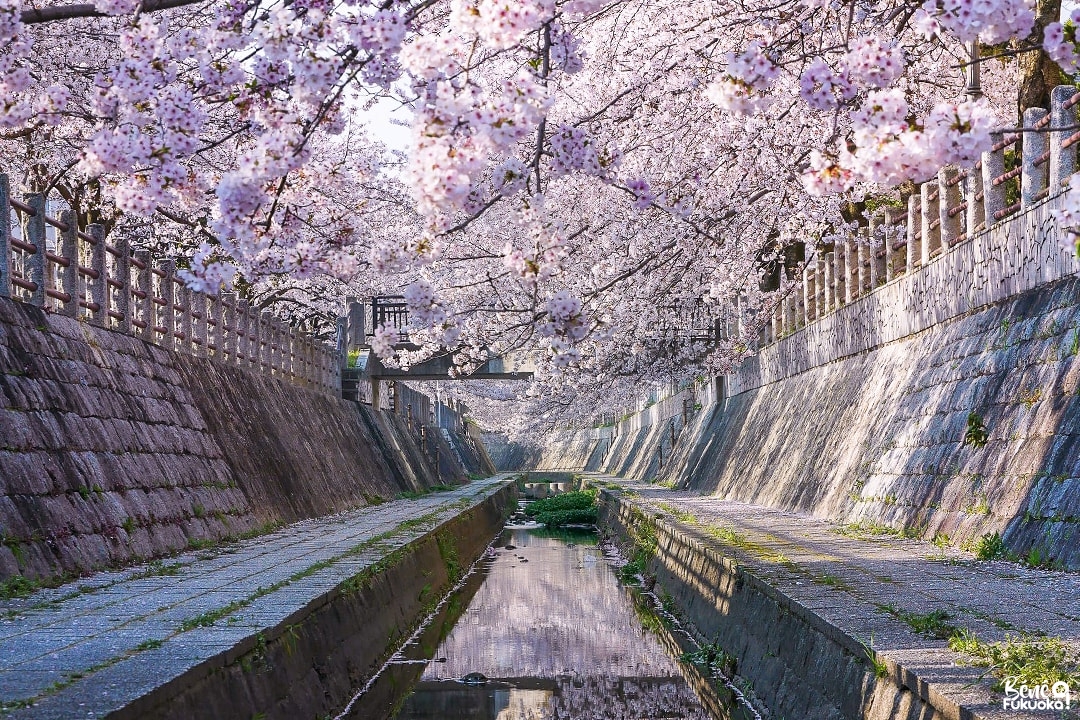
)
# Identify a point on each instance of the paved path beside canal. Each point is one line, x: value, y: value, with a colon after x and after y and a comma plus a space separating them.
x: 881, y: 588
x: 92, y: 646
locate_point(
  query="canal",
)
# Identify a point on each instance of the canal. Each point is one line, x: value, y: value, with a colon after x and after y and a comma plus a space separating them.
x: 543, y: 629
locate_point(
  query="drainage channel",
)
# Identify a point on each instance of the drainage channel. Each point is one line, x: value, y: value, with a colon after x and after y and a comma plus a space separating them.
x: 542, y: 628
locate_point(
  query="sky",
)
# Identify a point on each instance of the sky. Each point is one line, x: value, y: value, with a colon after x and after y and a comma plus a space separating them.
x: 381, y: 118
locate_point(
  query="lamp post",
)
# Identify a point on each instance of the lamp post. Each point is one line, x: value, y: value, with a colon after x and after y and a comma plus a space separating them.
x: 974, y: 87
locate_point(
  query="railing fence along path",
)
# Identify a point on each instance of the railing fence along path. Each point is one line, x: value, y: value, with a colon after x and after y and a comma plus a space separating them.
x: 50, y: 263
x: 1020, y: 170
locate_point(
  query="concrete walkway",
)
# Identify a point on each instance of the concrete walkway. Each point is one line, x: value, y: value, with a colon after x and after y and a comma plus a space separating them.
x: 872, y: 586
x: 93, y: 646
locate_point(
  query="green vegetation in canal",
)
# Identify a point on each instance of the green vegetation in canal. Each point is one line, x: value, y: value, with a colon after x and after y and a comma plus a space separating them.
x: 575, y: 535
x: 573, y: 508
x: 1031, y: 660
x: 643, y: 544
x: 17, y: 586
x: 832, y: 581
x: 714, y: 657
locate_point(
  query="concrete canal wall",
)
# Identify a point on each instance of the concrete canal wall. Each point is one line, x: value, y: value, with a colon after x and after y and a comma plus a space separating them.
x: 312, y: 663
x: 797, y: 664
x: 862, y: 416
x: 115, y: 450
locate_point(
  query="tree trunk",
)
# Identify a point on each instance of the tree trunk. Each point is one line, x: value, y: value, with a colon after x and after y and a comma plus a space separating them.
x: 1038, y: 73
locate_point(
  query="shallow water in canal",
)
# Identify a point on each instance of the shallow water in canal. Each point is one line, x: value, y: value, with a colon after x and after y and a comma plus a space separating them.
x: 549, y: 626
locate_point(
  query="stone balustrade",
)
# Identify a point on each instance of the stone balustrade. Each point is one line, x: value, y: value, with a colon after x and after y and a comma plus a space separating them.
x: 51, y: 263
x: 1020, y: 171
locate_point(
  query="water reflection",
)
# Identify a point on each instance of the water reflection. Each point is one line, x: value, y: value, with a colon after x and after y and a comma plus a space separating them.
x: 547, y: 623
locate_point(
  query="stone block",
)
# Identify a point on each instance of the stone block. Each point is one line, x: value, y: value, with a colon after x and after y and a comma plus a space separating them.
x: 25, y: 473
x: 16, y: 431
x: 21, y: 392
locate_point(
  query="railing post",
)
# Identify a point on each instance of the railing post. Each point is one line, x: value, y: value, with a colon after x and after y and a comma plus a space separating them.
x: 287, y: 364
x: 820, y: 285
x: 876, y: 229
x: 852, y: 271
x: 5, y: 236
x: 343, y: 342
x: 914, y: 237
x: 146, y: 302
x: 296, y: 360
x: 34, y: 232
x: 245, y: 346
x: 1032, y: 177
x: 320, y: 356
x: 243, y: 333
x: 123, y: 272
x: 993, y: 166
x: 356, y: 320
x: 859, y: 248
x: 807, y: 295
x: 216, y: 318
x: 69, y: 250
x: 199, y: 325
x: 266, y: 341
x: 186, y: 325
x: 830, y: 290
x: 973, y: 188
x: 841, y: 270
x: 254, y: 339
x: 931, y: 237
x: 299, y: 359
x: 280, y: 353
x: 949, y: 197
x: 305, y: 358
x: 228, y: 336
x: 1062, y: 159
x: 279, y: 347
x: 168, y: 309
x: 99, y: 285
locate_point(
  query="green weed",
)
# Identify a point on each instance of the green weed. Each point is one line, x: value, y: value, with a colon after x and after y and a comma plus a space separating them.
x: 1030, y: 660
x: 976, y: 434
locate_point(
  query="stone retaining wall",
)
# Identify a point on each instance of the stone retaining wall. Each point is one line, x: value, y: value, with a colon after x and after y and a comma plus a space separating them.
x: 878, y: 437
x: 115, y: 450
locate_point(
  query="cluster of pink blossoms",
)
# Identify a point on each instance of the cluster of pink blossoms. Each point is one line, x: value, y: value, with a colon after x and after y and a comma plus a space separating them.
x: 741, y: 89
x: 383, y: 341
x: 17, y: 106
x: 459, y: 129
x: 544, y: 250
x: 499, y: 23
x: 989, y: 21
x: 1060, y: 43
x: 573, y: 150
x: 565, y: 326
x: 889, y: 149
x: 870, y: 63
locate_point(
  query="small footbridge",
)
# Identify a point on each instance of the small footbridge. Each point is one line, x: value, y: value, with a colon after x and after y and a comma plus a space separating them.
x: 364, y: 373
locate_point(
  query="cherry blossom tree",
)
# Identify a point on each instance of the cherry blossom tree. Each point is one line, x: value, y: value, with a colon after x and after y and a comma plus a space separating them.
x: 585, y: 178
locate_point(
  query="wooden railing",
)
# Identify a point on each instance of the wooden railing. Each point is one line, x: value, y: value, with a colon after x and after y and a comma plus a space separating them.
x: 106, y: 282
x: 941, y: 214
